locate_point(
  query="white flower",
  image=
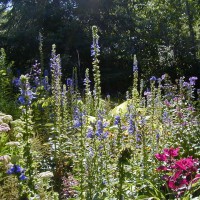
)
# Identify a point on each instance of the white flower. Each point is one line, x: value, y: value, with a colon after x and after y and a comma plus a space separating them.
x: 12, y: 143
x: 4, y: 127
x: 46, y: 174
x: 5, y: 159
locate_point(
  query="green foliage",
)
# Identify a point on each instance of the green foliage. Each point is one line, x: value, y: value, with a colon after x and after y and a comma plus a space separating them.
x: 78, y: 147
x: 149, y: 29
x: 6, y: 89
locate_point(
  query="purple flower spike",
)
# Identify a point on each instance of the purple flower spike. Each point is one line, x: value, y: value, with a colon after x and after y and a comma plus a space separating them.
x: 90, y: 133
x: 135, y: 68
x: 117, y: 120
x: 69, y: 82
x: 192, y: 80
x: 153, y: 78
x: 22, y: 177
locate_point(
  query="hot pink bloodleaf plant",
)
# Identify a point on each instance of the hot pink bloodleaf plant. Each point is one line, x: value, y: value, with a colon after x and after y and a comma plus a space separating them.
x: 161, y: 157
x: 171, y: 152
x: 178, y: 174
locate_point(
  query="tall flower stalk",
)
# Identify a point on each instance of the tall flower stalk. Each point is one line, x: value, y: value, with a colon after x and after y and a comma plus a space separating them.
x: 25, y: 99
x: 57, y: 110
x: 135, y: 94
x: 88, y: 94
x: 95, y: 52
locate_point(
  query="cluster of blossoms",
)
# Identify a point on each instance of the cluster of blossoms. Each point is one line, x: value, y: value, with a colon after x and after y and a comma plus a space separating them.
x: 153, y: 79
x: 26, y: 96
x: 192, y: 82
x: 95, y: 48
x: 99, y: 131
x: 17, y: 170
x: 77, y: 118
x: 179, y: 174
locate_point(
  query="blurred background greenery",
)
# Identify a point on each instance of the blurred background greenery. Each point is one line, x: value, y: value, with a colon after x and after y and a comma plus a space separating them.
x: 164, y: 35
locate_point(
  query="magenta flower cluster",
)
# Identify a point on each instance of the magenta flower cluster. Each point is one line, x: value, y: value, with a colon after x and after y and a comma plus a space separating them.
x: 178, y: 174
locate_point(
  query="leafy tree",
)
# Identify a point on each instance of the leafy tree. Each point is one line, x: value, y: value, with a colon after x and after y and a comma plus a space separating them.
x: 163, y: 34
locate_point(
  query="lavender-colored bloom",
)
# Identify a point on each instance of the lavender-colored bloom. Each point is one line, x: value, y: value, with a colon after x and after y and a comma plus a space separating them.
x: 22, y: 177
x: 26, y: 97
x: 157, y: 136
x: 153, y: 78
x: 117, y: 120
x: 135, y: 68
x: 169, y: 94
x: 91, y: 152
x: 11, y: 171
x: 131, y: 127
x: 179, y: 114
x: 190, y: 108
x: 55, y: 65
x: 147, y: 93
x: 16, y: 82
x: 138, y: 137
x: 77, y: 123
x: 22, y: 100
x: 15, y: 169
x: 29, y: 94
x: 18, y: 169
x: 105, y: 135
x: 165, y: 115
x: 92, y: 50
x: 159, y: 81
x: 163, y: 76
x: 104, y: 182
x: 186, y: 84
x: 37, y: 81
x: 99, y: 131
x: 184, y: 124
x: 36, y: 69
x: 192, y: 80
x: 95, y: 48
x: 69, y: 82
x: 77, y: 118
x: 90, y: 133
x: 123, y: 128
x: 26, y: 94
x: 86, y: 81
x: 143, y: 121
x: 45, y: 83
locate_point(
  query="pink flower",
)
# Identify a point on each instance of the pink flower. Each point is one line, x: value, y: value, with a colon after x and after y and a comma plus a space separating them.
x: 171, y: 184
x: 161, y: 157
x: 185, y: 163
x: 175, y: 185
x: 177, y: 175
x: 171, y: 152
x: 167, y: 103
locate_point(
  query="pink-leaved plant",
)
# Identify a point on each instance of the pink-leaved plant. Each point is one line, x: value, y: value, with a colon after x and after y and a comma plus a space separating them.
x: 178, y: 174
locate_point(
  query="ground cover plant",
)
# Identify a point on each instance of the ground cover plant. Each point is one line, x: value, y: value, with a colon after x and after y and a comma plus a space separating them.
x: 69, y: 144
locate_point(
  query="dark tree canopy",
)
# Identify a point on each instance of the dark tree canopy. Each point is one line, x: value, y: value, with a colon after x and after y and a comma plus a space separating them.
x: 163, y: 34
